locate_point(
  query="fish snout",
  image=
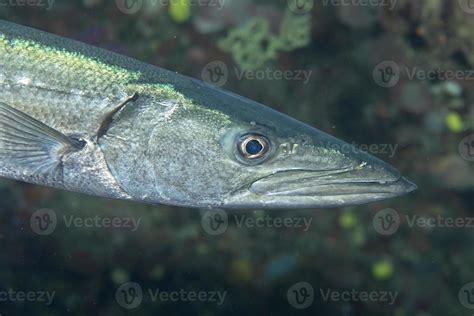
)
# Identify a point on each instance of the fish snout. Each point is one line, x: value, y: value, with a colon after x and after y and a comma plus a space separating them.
x: 363, y: 183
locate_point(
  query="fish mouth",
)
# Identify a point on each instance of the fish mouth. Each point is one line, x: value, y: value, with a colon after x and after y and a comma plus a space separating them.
x: 328, y: 188
x: 304, y: 182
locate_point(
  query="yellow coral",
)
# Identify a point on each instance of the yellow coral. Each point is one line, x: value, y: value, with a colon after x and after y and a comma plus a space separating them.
x: 253, y: 43
x: 347, y: 220
x: 454, y: 122
x: 180, y: 10
x: 382, y: 270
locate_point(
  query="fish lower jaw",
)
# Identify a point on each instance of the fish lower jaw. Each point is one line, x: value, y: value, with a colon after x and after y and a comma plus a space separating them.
x: 329, y: 195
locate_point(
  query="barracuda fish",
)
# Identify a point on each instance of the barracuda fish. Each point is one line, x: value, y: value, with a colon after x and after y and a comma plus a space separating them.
x: 83, y: 119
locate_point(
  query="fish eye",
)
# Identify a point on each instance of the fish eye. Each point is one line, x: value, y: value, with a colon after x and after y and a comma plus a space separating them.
x: 253, y: 146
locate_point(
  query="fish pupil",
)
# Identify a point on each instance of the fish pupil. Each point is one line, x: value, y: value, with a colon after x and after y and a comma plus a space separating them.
x: 253, y: 147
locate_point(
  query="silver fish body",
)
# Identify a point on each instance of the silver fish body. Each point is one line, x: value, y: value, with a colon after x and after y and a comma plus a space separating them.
x: 79, y: 118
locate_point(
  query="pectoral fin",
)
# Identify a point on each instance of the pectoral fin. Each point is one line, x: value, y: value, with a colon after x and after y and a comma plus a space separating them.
x: 28, y: 144
x: 109, y: 116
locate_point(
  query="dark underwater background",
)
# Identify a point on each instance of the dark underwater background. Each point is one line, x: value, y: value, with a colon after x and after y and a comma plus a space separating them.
x: 393, y: 78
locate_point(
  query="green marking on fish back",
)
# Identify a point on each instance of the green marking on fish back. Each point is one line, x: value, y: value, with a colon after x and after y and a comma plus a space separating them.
x: 41, y: 60
x: 167, y: 95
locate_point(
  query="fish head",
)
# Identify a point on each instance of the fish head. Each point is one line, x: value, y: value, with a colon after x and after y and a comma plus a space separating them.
x: 301, y: 167
x: 217, y: 149
x: 232, y: 152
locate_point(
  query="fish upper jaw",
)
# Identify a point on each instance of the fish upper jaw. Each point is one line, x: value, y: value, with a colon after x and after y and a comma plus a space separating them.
x: 364, y: 183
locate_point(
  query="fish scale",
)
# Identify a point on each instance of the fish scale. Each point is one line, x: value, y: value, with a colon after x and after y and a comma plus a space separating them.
x: 71, y: 88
